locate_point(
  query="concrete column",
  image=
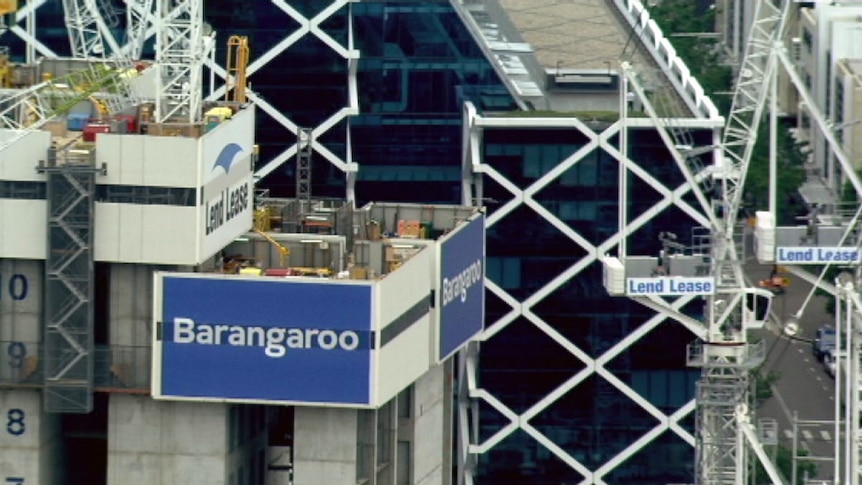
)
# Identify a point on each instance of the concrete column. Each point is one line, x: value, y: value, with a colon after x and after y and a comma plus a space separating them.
x: 30, y: 442
x: 432, y: 422
x: 21, y: 306
x: 325, y: 441
x: 166, y: 443
x: 130, y: 331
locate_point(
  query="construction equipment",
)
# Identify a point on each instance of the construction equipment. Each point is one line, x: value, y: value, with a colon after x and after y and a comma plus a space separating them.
x: 29, y: 109
x: 8, y: 9
x: 236, y: 65
x: 8, y: 6
x: 88, y: 31
x: 776, y: 283
x: 723, y: 351
x: 283, y: 251
x: 180, y: 55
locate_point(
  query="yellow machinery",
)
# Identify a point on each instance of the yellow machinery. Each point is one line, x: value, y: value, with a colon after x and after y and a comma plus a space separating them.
x: 7, y: 69
x: 216, y: 116
x: 262, y: 221
x: 8, y: 7
x: 283, y: 251
x: 100, y: 106
x: 237, y: 63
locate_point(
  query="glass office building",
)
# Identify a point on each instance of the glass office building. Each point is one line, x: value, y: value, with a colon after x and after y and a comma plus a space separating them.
x: 572, y: 385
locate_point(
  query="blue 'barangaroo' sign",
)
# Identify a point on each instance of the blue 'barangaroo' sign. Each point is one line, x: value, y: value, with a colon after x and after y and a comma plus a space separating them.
x: 228, y: 338
x: 462, y: 286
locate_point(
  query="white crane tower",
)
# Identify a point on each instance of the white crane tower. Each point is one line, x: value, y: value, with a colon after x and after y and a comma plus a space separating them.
x: 180, y: 54
x: 88, y: 30
x: 180, y: 48
x: 723, y: 429
x: 723, y: 425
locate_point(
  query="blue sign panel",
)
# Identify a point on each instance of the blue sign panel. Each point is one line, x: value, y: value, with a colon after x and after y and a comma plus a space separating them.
x: 462, y: 286
x: 231, y: 338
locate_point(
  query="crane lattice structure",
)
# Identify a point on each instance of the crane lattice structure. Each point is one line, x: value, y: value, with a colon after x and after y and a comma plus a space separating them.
x: 180, y: 56
x: 722, y: 394
x: 138, y: 14
x: 30, y: 109
x: 90, y: 31
x: 723, y: 419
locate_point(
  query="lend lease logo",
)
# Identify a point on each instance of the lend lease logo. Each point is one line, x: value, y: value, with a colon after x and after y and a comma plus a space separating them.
x: 231, y: 201
x: 816, y: 255
x: 670, y: 286
x: 227, y: 156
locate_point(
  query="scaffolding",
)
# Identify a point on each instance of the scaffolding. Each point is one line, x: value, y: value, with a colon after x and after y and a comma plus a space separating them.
x: 69, y: 285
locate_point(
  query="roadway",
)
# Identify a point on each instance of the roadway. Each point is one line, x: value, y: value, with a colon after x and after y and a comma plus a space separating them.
x: 803, y: 386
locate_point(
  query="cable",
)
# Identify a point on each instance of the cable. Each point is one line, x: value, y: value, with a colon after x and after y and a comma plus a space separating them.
x: 814, y: 287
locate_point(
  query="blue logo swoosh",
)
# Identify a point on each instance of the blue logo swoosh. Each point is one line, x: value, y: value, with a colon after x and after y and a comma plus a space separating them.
x: 225, y: 158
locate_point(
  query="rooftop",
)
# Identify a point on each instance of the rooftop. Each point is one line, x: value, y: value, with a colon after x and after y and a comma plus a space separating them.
x: 565, y: 55
x: 579, y: 34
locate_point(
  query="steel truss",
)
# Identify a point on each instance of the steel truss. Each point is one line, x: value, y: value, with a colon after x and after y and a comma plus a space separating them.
x: 139, y: 16
x: 179, y: 53
x: 724, y: 353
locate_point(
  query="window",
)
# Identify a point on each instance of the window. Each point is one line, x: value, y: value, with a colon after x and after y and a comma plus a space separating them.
x: 405, y: 461
x: 506, y: 272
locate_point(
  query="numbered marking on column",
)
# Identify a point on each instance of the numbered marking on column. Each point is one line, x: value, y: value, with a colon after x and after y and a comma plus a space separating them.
x: 15, y: 286
x: 16, y: 352
x: 15, y: 422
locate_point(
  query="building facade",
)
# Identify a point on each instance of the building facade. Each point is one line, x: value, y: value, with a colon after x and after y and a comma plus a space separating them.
x: 829, y: 40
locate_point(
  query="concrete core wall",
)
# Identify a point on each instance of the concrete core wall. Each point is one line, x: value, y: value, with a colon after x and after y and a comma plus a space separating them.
x: 432, y: 427
x: 30, y: 442
x: 326, y: 443
x: 166, y: 443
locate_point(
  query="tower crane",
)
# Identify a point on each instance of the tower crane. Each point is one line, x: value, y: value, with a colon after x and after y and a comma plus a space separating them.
x: 88, y: 31
x: 180, y: 55
x: 723, y: 429
x: 138, y: 14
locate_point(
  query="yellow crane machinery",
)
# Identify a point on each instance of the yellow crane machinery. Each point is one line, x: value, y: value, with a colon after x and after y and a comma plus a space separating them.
x: 8, y: 7
x: 100, y: 106
x: 283, y: 251
x: 7, y: 69
x: 237, y: 63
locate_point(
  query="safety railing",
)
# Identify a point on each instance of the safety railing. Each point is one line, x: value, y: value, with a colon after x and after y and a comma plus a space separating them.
x: 117, y: 368
x: 664, y: 54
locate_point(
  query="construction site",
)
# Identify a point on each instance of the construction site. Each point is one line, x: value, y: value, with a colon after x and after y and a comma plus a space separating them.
x: 422, y: 247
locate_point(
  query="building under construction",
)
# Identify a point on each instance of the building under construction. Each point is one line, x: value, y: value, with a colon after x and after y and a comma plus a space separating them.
x: 166, y: 263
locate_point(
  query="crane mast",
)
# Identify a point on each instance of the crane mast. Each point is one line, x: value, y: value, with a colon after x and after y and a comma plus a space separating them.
x: 723, y: 431
x: 726, y: 355
x: 89, y: 34
x: 179, y: 54
x: 85, y: 39
x: 137, y: 21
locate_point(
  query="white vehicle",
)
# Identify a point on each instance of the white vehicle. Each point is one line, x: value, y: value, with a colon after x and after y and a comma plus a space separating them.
x: 829, y: 362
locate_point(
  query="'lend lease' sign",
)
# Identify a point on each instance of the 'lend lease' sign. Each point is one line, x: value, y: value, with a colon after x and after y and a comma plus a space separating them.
x: 670, y: 285
x: 816, y: 255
